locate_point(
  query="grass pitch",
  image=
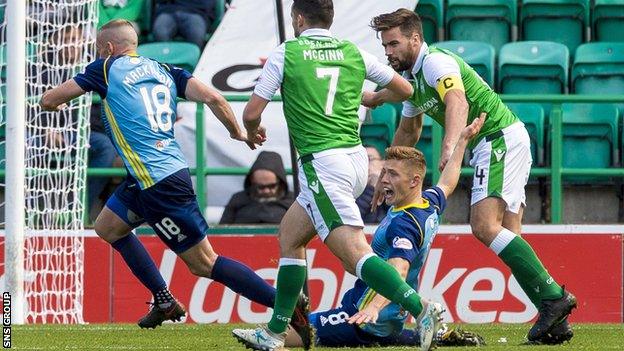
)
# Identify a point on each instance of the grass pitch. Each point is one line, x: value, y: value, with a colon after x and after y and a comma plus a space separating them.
x: 218, y: 337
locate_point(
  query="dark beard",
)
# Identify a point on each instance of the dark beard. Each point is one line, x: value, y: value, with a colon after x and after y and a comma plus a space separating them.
x: 404, y: 66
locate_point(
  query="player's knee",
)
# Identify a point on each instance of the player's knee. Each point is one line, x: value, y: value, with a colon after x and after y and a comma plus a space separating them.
x: 201, y: 268
x: 104, y: 231
x: 483, y: 230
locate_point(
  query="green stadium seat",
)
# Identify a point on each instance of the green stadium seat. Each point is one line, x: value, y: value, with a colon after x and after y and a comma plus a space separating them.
x: 562, y: 21
x: 425, y: 143
x: 533, y: 117
x: 385, y: 114
x: 590, y: 135
x: 608, y: 20
x: 533, y: 67
x: 181, y: 54
x: 598, y: 69
x: 478, y: 55
x: 431, y: 15
x: 219, y: 13
x: 490, y: 21
x: 145, y: 21
x: 379, y: 130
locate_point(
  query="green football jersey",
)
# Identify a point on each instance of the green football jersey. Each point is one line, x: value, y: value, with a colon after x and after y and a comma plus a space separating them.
x: 480, y: 97
x: 321, y: 93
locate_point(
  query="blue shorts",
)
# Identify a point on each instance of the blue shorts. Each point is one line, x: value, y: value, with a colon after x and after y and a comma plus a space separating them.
x: 333, y: 329
x: 169, y: 207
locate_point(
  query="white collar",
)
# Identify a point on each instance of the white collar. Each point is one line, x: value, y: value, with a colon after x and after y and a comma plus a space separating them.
x: 316, y: 32
x: 424, y: 49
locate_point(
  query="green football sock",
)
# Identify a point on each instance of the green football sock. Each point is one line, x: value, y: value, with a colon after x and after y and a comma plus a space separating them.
x: 385, y: 280
x: 526, y: 267
x: 290, y: 279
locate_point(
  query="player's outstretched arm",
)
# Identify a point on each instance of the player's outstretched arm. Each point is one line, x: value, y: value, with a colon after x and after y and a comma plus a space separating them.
x: 399, y: 89
x: 450, y: 174
x: 455, y: 118
x: 200, y: 92
x: 252, y: 116
x: 56, y: 99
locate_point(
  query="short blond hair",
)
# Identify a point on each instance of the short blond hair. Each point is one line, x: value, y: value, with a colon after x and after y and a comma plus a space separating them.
x: 414, y: 158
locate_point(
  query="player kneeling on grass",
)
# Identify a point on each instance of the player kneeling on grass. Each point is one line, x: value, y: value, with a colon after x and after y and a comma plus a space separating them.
x: 403, y: 239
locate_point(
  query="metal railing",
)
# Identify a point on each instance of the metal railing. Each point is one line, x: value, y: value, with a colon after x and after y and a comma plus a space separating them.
x: 555, y: 172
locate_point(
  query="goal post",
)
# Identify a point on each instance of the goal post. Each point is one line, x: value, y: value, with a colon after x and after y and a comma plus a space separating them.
x: 15, y: 152
x: 47, y: 42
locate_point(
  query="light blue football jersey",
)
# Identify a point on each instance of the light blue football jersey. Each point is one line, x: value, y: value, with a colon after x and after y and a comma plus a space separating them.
x: 139, y: 105
x: 407, y: 233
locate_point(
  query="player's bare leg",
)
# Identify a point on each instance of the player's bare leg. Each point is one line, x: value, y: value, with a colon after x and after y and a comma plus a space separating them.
x: 110, y: 227
x: 200, y: 258
x: 486, y: 219
x: 295, y: 231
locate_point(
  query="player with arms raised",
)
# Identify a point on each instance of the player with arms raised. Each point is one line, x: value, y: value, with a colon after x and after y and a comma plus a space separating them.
x: 139, y: 100
x: 321, y: 80
x: 451, y: 92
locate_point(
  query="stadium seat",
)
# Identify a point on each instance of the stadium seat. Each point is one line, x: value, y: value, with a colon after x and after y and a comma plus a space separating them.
x: 145, y: 21
x: 533, y: 67
x: 590, y: 135
x: 608, y: 20
x: 478, y: 55
x: 598, y: 69
x: 490, y: 21
x: 386, y: 114
x: 219, y: 13
x: 425, y: 144
x: 181, y: 54
x: 379, y: 130
x: 533, y: 117
x: 431, y: 15
x: 562, y: 21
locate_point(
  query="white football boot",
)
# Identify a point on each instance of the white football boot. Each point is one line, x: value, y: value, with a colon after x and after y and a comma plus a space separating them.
x: 260, y: 338
x: 428, y: 323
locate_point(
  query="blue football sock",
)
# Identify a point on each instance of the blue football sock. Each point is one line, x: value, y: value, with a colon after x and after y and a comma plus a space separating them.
x: 242, y: 280
x: 140, y: 263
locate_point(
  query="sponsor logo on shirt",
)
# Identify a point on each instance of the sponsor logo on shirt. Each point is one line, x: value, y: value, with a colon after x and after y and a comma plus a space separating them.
x: 402, y: 243
x: 161, y: 144
x: 499, y: 154
x: 314, y: 186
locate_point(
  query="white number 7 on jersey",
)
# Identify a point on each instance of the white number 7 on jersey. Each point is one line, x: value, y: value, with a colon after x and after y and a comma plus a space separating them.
x: 333, y: 73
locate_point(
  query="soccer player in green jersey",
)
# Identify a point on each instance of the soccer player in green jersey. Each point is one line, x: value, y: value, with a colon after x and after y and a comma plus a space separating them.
x: 321, y: 79
x: 451, y: 92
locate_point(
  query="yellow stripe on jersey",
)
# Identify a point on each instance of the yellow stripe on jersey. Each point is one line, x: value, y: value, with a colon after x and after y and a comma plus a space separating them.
x: 422, y: 234
x: 104, y: 69
x: 131, y: 156
x: 368, y: 297
x: 449, y: 82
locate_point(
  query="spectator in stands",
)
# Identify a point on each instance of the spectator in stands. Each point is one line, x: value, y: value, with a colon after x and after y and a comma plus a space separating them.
x: 266, y: 197
x: 189, y: 18
x: 129, y: 10
x: 375, y: 164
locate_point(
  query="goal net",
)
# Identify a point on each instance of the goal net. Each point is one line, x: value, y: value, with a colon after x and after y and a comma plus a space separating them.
x: 60, y: 42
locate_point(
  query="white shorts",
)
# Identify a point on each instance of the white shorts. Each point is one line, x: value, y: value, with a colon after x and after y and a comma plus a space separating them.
x: 330, y: 183
x: 502, y: 162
